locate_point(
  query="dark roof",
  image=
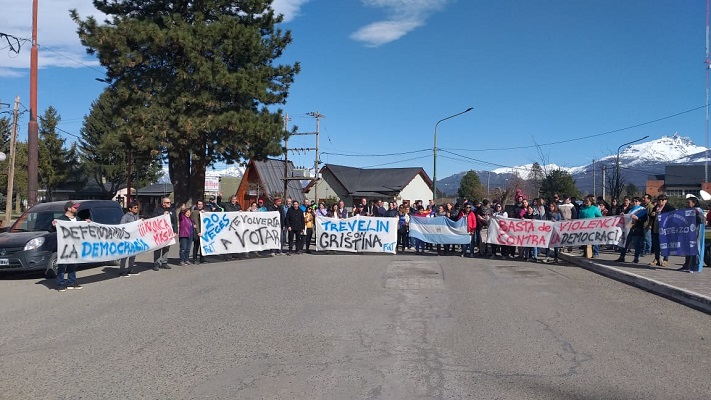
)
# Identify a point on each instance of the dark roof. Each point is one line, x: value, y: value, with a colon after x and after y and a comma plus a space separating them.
x: 375, y: 182
x: 156, y: 189
x: 271, y: 174
x: 684, y: 175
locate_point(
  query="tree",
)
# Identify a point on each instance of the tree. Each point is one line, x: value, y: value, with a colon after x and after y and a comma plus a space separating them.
x: 103, y: 132
x: 196, y: 81
x: 536, y: 176
x: 631, y: 190
x: 559, y: 181
x: 470, y: 186
x: 55, y: 163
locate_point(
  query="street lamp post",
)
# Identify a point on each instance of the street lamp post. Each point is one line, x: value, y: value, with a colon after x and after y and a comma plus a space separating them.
x: 434, y: 152
x: 617, y: 189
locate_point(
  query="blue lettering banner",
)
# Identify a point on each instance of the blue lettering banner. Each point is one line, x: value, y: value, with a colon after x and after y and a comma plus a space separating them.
x: 680, y: 234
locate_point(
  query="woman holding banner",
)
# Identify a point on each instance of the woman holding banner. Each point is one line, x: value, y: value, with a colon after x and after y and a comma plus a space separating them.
x: 691, y: 263
x: 588, y: 210
x: 552, y: 215
x: 403, y: 227
x: 185, y: 235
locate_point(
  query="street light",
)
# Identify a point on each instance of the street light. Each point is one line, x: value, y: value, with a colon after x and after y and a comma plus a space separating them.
x: 617, y: 166
x: 434, y: 175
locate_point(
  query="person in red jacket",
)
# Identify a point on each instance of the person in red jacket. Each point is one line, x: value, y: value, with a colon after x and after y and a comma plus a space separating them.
x: 471, y: 228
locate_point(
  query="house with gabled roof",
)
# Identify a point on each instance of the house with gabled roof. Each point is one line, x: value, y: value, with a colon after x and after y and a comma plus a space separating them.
x: 265, y: 180
x: 351, y: 184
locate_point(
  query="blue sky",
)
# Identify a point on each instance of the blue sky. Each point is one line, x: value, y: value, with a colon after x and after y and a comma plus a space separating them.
x: 383, y: 72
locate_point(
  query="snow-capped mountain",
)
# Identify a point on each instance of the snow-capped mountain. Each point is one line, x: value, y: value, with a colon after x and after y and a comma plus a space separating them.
x: 235, y: 171
x: 638, y: 161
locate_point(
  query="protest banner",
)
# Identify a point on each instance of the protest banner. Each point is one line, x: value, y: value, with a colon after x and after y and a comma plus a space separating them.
x: 90, y: 242
x: 680, y: 234
x: 440, y: 230
x: 520, y: 232
x: 593, y: 231
x: 357, y: 234
x: 239, y: 232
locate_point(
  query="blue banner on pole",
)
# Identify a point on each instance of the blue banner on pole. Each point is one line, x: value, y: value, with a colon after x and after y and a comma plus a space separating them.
x: 680, y: 234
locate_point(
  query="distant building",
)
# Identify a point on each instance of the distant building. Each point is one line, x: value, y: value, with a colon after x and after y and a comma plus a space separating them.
x: 350, y: 184
x: 678, y: 181
x: 265, y: 180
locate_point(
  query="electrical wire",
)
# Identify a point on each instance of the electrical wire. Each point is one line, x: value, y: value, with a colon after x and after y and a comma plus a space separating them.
x: 589, y: 136
x: 375, y: 155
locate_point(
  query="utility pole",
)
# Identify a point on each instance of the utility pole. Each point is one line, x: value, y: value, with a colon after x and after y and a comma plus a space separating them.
x: 594, y: 179
x: 11, y: 163
x: 286, y: 156
x: 33, y: 129
x: 603, y: 180
x: 318, y: 117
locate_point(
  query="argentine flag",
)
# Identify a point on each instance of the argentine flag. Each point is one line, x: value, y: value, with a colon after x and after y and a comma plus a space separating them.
x: 440, y: 230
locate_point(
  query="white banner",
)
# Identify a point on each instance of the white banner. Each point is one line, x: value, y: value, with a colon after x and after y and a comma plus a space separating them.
x: 239, y: 232
x: 90, y: 242
x: 576, y: 232
x: 357, y: 234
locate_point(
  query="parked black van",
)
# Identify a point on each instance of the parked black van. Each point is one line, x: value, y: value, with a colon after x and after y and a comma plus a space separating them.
x: 30, y: 244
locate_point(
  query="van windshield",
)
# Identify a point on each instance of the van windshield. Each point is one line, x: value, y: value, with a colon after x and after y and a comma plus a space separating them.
x: 35, y: 221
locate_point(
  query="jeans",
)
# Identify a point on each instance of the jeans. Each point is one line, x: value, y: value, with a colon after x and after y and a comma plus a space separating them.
x: 637, y: 242
x: 596, y: 250
x: 555, y: 252
x: 647, y: 241
x: 469, y: 246
x: 307, y: 241
x: 160, y: 256
x: 185, y: 243
x: 71, y: 271
x: 130, y: 261
x: 299, y: 240
x: 403, y: 238
x: 419, y: 245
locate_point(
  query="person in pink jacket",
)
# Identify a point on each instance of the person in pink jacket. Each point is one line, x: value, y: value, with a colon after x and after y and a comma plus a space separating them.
x: 471, y: 228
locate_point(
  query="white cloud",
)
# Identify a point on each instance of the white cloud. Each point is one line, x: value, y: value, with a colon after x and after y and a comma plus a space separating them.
x: 56, y: 33
x: 405, y: 16
x: 288, y: 8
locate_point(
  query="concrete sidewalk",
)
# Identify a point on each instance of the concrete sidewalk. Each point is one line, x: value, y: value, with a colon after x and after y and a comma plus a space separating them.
x: 693, y: 290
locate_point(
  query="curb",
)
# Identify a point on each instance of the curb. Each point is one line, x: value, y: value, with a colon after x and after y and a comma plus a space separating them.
x: 686, y: 297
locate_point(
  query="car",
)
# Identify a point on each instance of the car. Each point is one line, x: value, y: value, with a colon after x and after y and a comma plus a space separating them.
x: 30, y: 244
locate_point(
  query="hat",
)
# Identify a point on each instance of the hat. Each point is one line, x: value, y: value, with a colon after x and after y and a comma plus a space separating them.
x: 260, y: 201
x: 212, y: 197
x: 70, y: 204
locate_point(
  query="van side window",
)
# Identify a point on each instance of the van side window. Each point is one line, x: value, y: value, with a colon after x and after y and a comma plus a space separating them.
x: 83, y: 214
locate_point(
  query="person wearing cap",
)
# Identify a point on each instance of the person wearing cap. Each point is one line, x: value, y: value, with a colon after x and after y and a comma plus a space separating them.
x: 160, y: 256
x: 126, y: 265
x: 260, y: 206
x: 213, y: 206
x: 70, y: 214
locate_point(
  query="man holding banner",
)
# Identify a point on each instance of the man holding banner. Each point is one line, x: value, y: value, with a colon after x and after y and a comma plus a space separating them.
x: 160, y: 256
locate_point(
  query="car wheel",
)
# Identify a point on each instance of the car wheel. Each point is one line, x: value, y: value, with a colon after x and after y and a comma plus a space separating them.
x: 52, y: 268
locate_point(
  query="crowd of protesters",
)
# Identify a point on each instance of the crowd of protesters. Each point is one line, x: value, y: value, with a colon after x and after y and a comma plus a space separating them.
x: 298, y: 219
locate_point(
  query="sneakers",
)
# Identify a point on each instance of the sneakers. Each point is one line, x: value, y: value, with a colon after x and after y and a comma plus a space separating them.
x: 166, y: 266
x: 156, y: 267
x: 61, y: 288
x: 620, y: 259
x: 547, y: 260
x: 132, y: 273
x: 182, y: 263
x: 123, y: 274
x: 75, y: 286
x: 683, y: 269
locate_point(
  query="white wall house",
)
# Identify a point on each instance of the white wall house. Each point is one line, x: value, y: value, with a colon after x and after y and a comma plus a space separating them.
x: 351, y: 184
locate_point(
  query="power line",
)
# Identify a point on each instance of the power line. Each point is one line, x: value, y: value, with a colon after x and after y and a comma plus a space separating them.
x: 590, y: 136
x: 71, y: 59
x: 396, y: 162
x: 376, y: 155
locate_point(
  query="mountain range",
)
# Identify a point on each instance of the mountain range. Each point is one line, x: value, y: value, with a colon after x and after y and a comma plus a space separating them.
x: 637, y: 163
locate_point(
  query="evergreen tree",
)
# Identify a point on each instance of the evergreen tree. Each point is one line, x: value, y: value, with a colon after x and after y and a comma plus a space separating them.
x: 54, y: 161
x: 196, y: 81
x: 536, y: 176
x: 105, y: 145
x: 632, y: 190
x: 470, y: 186
x: 559, y: 181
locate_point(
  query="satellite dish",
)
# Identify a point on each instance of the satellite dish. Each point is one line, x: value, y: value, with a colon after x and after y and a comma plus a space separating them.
x: 705, y: 196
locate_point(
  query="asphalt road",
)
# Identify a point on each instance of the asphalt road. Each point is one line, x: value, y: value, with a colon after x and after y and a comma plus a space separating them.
x: 349, y: 327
